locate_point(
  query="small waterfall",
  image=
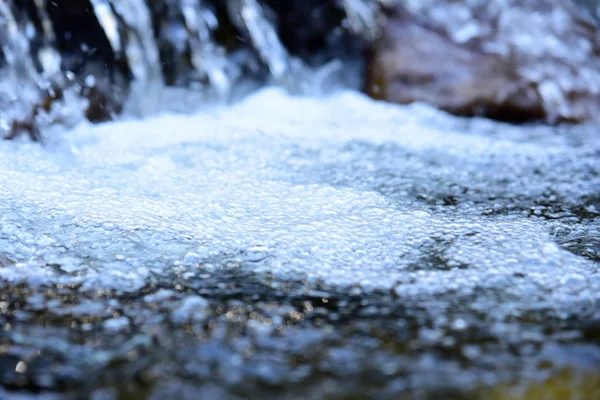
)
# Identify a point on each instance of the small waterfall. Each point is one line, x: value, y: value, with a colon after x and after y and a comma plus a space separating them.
x: 48, y: 55
x: 137, y: 45
x: 207, y: 57
x: 249, y: 16
x: 207, y: 45
x: 15, y: 47
x: 19, y: 78
x: 129, y: 54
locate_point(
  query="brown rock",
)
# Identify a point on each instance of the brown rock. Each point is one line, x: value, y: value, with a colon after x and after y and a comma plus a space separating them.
x: 490, y: 74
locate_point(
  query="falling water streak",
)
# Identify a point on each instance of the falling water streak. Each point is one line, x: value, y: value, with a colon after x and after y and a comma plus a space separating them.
x: 15, y: 47
x: 249, y: 16
x: 139, y: 49
x: 207, y: 57
x: 364, y: 17
x: 48, y: 56
x: 360, y: 16
x: 19, y: 80
x: 45, y: 20
x: 142, y: 54
x: 108, y: 22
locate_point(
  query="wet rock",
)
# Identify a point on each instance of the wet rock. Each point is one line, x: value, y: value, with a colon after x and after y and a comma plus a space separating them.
x: 491, y: 60
x: 413, y: 63
x: 562, y: 386
x: 5, y: 261
x: 97, y: 102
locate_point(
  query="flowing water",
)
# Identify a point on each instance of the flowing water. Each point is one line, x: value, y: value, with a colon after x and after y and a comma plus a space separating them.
x: 288, y: 246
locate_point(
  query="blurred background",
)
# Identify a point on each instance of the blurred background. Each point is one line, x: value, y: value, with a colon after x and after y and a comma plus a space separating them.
x: 306, y: 242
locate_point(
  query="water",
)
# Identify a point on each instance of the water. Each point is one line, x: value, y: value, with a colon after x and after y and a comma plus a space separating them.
x: 15, y: 47
x: 206, y: 55
x: 218, y: 46
x: 249, y: 15
x: 287, y: 246
x: 238, y: 221
x: 361, y: 207
x: 139, y: 38
x: 19, y: 69
x: 139, y: 49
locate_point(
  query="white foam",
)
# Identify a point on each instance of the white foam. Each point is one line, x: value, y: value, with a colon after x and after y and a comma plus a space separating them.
x: 319, y: 188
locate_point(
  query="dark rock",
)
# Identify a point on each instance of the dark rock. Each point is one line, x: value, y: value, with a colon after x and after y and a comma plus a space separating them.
x: 104, y: 101
x: 29, y: 126
x: 5, y: 261
x: 312, y: 30
x: 412, y: 63
x: 471, y: 59
x: 591, y: 329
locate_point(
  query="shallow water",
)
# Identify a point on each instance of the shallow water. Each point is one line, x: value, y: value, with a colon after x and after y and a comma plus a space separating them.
x: 287, y: 245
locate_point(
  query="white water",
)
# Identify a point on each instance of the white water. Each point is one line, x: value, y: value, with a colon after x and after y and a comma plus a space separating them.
x: 341, y: 189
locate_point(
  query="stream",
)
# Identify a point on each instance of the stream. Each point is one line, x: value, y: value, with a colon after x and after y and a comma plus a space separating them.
x: 287, y: 243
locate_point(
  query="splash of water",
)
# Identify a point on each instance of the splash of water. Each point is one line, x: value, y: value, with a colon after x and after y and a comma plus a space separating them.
x: 207, y: 57
x: 15, y: 46
x: 249, y: 16
x: 20, y: 78
x: 48, y: 55
x: 139, y: 48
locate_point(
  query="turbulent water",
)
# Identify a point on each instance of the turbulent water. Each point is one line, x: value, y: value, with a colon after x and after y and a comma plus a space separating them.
x: 364, y: 196
x: 110, y: 52
x: 243, y: 229
x: 323, y: 246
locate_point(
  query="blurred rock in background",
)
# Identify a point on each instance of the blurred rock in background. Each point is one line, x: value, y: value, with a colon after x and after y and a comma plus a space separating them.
x: 509, y: 60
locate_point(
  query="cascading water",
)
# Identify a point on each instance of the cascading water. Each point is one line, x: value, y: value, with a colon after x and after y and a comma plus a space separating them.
x: 216, y: 48
x: 183, y: 31
x: 139, y: 48
x: 249, y: 16
x: 293, y: 244
x: 15, y: 47
x: 206, y: 55
x: 20, y: 78
x: 48, y: 56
